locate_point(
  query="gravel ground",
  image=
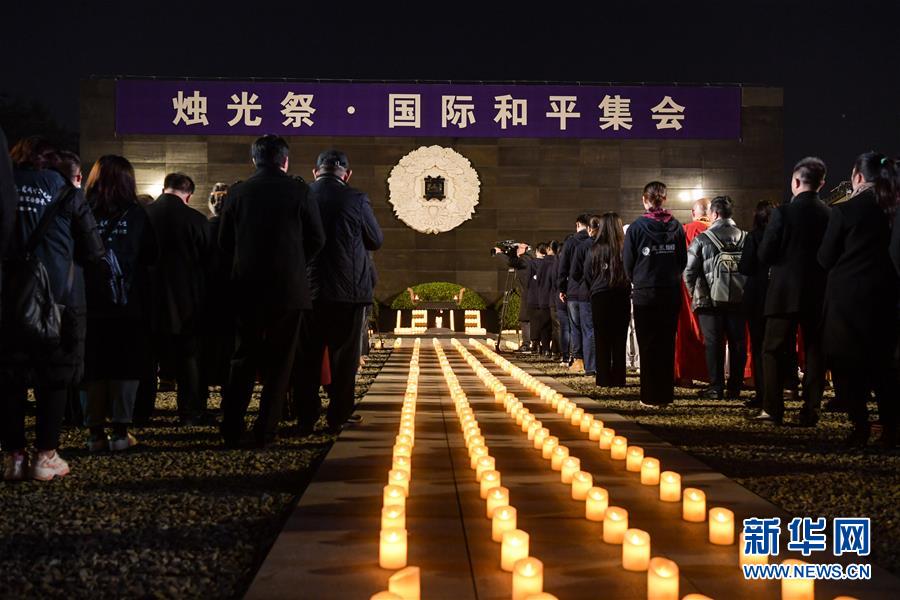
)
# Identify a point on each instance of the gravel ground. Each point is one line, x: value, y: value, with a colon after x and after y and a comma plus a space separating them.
x: 807, y: 472
x: 177, y: 516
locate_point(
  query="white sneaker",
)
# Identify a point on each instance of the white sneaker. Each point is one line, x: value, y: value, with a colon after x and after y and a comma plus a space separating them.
x: 49, y: 466
x: 117, y: 444
x: 15, y: 466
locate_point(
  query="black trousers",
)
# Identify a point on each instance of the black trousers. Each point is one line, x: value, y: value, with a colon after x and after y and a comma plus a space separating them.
x: 335, y: 325
x: 541, y: 328
x: 51, y: 406
x: 718, y: 327
x: 555, y: 331
x: 778, y: 348
x: 757, y: 326
x: 266, y: 346
x: 183, y: 350
x: 611, y: 313
x: 853, y: 385
x: 655, y: 325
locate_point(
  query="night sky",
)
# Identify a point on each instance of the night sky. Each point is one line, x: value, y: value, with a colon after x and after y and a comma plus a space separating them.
x: 839, y: 66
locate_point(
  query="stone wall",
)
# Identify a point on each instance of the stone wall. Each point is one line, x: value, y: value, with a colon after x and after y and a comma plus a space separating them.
x: 531, y: 189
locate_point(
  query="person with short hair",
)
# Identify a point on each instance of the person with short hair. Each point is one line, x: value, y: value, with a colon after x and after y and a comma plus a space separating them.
x: 270, y: 230
x: 341, y: 285
x: 538, y: 309
x: 655, y: 254
x: 689, y: 348
x: 796, y: 293
x: 180, y: 288
x: 575, y: 296
x: 721, y: 319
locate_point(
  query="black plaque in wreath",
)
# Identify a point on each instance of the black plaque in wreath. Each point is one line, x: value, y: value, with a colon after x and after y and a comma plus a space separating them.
x: 434, y: 188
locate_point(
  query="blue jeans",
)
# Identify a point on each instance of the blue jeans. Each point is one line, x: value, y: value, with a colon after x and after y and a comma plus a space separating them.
x: 564, y: 343
x: 574, y: 330
x: 584, y: 322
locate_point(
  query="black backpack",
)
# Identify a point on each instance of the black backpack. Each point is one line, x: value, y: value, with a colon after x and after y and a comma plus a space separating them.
x: 30, y: 317
x: 116, y: 284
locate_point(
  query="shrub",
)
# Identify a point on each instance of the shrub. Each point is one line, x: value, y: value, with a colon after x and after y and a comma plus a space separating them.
x: 439, y: 291
x: 512, y: 312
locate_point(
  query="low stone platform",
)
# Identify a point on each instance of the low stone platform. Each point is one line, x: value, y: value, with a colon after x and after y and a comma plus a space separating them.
x: 329, y: 545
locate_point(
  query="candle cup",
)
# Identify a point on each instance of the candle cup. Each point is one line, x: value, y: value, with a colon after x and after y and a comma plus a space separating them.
x: 582, y: 481
x: 485, y: 463
x: 606, y: 438
x: 662, y: 579
x: 394, y: 496
x: 513, y: 547
x: 489, y: 480
x: 548, y: 446
x: 634, y: 456
x: 393, y: 517
x: 562, y: 406
x: 636, y: 550
x: 402, y: 450
x: 527, y: 421
x: 387, y: 595
x: 751, y: 559
x: 560, y: 453
x: 401, y: 462
x: 392, y: 550
x: 702, y: 597
x: 797, y: 589
x: 575, y: 418
x: 650, y: 471
x: 533, y: 428
x: 669, y: 486
x: 540, y: 436
x: 406, y: 583
x: 721, y: 526
x: 619, y: 448
x: 497, y: 497
x: 693, y: 505
x: 503, y: 520
x: 399, y: 478
x: 596, y: 503
x: 585, y: 423
x: 570, y: 466
x: 528, y: 578
x: 595, y: 430
x: 615, y: 522
x: 570, y: 408
x: 475, y: 454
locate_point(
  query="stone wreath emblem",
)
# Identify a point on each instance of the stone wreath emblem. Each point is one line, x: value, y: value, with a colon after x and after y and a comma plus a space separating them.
x: 406, y: 186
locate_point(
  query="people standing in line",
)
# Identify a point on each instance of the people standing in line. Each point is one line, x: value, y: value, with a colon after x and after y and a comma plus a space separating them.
x: 538, y: 311
x: 44, y: 196
x: 552, y: 298
x: 610, y: 291
x: 755, y: 289
x: 9, y: 198
x: 341, y: 284
x: 861, y: 293
x: 270, y: 229
x: 655, y: 254
x: 689, y: 347
x: 574, y: 296
x: 716, y: 289
x: 580, y: 297
x: 796, y: 290
x: 180, y: 288
x: 562, y: 312
x: 119, y: 336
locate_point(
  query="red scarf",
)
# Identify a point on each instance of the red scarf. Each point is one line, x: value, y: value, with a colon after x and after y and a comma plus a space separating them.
x: 659, y: 214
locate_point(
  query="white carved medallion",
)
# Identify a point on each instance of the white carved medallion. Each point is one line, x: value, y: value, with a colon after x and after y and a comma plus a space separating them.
x: 407, y: 189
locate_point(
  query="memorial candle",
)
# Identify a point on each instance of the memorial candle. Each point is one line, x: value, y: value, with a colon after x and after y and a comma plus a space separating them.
x: 618, y: 448
x: 549, y: 445
x: 527, y: 421
x: 650, y: 471
x: 615, y: 522
x: 562, y: 406
x: 595, y: 430
x: 575, y: 418
x: 485, y: 463
x: 401, y: 462
x: 633, y: 459
x: 499, y: 395
x: 636, y: 550
x: 662, y: 579
x: 597, y: 501
x: 399, y: 478
x: 570, y: 408
x: 669, y: 486
x: 533, y: 428
x: 394, y: 496
x: 560, y: 453
x: 393, y: 517
x: 586, y: 422
x: 542, y: 596
x: 702, y: 597
x: 503, y: 520
x: 606, y: 438
x: 489, y: 480
x: 539, y: 437
x: 570, y: 466
x: 528, y: 578
x: 497, y: 497
x: 721, y: 526
x: 581, y: 483
x: 406, y: 583
x: 385, y: 596
x: 751, y: 559
x: 693, y: 505
x: 475, y: 453
x: 392, y: 550
x: 797, y: 589
x: 402, y: 450
x: 513, y: 547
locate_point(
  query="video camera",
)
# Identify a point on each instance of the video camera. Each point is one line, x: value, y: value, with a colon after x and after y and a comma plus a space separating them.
x: 508, y: 247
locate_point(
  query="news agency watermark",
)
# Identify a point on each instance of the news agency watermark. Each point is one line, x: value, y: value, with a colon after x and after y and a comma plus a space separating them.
x: 761, y: 538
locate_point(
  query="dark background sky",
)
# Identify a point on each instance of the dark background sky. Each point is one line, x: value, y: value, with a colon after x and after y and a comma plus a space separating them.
x: 839, y: 63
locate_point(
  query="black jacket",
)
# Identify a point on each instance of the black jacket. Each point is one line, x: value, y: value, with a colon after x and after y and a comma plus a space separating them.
x: 701, y: 258
x: 342, y: 271
x: 580, y: 257
x: 655, y: 255
x: 598, y: 280
x: 757, y: 276
x: 9, y: 198
x: 576, y: 291
x: 861, y: 289
x: 184, y: 250
x: 270, y: 228
x: 552, y: 283
x: 789, y: 247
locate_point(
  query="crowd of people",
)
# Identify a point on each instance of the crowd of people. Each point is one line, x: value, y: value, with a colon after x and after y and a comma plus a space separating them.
x: 810, y: 288
x: 105, y: 293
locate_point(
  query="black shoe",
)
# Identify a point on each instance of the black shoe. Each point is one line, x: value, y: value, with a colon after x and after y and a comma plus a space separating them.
x: 764, y: 417
x: 805, y: 420
x: 859, y: 437
x: 733, y: 394
x: 753, y: 403
x: 834, y: 406
x: 354, y: 419
x: 710, y: 394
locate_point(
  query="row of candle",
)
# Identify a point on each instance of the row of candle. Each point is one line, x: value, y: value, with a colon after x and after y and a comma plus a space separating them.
x: 393, y: 546
x: 528, y: 572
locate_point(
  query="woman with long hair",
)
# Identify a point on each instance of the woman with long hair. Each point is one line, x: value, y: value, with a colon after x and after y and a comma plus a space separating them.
x: 655, y: 254
x: 861, y: 293
x: 119, y: 332
x: 610, y: 290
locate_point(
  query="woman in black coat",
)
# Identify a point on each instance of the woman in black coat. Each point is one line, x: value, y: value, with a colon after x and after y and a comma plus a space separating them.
x: 118, y: 335
x: 860, y: 312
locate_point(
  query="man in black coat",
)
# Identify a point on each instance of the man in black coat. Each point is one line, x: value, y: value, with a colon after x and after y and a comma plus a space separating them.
x: 796, y: 291
x: 574, y: 295
x: 184, y: 246
x: 8, y: 196
x: 271, y: 228
x: 341, y: 280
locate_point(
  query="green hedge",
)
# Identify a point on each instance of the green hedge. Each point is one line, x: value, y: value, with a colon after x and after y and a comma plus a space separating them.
x: 439, y: 291
x: 512, y: 312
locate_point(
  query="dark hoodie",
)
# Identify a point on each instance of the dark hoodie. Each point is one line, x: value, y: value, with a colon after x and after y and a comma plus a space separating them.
x: 655, y: 255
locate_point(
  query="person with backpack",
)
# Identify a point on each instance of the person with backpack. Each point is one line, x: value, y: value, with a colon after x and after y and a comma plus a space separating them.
x: 42, y: 345
x: 716, y: 289
x: 119, y: 335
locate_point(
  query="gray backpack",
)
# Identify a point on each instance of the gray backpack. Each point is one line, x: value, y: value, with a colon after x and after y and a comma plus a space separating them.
x: 726, y: 284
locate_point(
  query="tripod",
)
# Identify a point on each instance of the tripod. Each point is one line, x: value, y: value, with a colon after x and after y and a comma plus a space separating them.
x: 509, y: 288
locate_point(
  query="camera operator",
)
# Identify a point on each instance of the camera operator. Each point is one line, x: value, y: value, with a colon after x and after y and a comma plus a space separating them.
x: 517, y: 258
